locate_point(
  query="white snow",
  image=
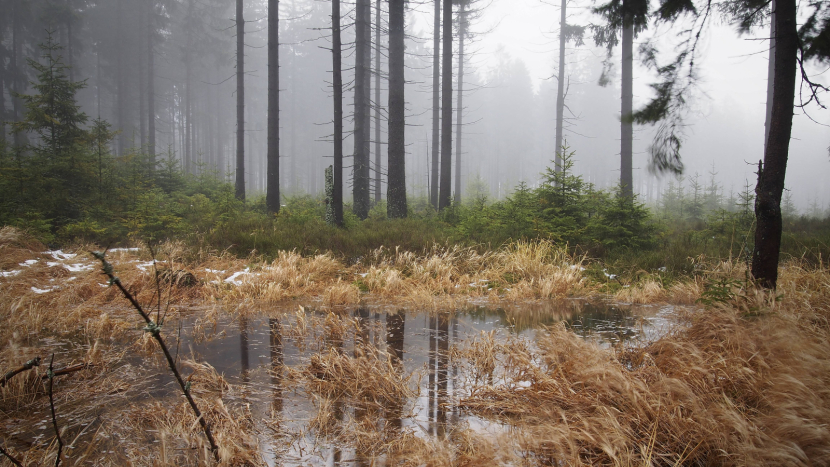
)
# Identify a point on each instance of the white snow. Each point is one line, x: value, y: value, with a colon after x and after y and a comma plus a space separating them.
x: 42, y: 291
x: 29, y: 263
x: 60, y: 255
x: 233, y: 279
x: 10, y: 273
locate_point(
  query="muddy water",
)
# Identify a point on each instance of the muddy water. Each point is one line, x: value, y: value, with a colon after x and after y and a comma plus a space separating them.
x: 252, y: 352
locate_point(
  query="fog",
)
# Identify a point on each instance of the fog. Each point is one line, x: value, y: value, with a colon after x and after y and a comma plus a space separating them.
x: 509, y: 91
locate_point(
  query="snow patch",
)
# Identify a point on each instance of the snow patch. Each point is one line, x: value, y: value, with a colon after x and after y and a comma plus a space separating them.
x: 29, y: 263
x: 233, y: 279
x: 60, y: 255
x: 43, y: 291
x: 10, y: 273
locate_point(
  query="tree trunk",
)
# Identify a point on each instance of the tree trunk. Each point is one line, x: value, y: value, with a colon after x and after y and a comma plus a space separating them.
x: 445, y: 188
x: 771, y: 175
x: 16, y: 81
x: 770, y: 73
x: 462, y: 31
x: 337, y: 195
x: 69, y: 51
x: 627, y: 127
x: 436, y: 104
x: 363, y: 44
x: 240, y: 102
x: 560, y: 90
x: 142, y: 103
x: 151, y: 89
x: 396, y: 165
x: 377, y: 99
x: 272, y: 197
x: 121, y: 102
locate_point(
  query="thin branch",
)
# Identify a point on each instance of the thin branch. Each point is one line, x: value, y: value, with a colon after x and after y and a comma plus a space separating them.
x: 51, y: 375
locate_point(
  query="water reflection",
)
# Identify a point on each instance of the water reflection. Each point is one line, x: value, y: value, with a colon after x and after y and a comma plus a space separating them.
x: 412, y: 341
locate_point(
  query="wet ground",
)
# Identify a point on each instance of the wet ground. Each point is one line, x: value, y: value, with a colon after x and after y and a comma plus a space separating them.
x: 255, y: 353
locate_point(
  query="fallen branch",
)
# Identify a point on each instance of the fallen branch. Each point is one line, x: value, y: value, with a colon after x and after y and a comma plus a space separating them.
x: 10, y: 458
x: 155, y: 330
x: 69, y: 369
x: 26, y: 367
x: 51, y: 375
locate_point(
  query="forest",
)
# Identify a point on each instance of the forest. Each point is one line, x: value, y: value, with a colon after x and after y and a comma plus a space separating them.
x: 366, y: 232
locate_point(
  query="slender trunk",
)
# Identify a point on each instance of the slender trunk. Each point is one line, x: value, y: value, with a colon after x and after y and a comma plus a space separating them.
x: 361, y: 181
x: 240, y: 102
x: 445, y: 188
x: 121, y: 87
x: 396, y: 165
x: 69, y: 51
x: 337, y: 196
x: 16, y: 81
x: 377, y: 99
x: 272, y: 197
x: 627, y: 127
x: 142, y: 104
x: 462, y: 31
x: 770, y: 74
x: 151, y: 89
x: 188, y: 116
x: 771, y: 175
x: 560, y: 90
x: 436, y: 104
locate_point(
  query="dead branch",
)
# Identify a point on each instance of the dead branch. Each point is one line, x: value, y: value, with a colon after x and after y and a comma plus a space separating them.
x: 51, y: 375
x: 26, y: 367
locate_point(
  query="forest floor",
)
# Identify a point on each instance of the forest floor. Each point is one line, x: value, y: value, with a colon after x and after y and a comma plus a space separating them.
x: 744, y: 380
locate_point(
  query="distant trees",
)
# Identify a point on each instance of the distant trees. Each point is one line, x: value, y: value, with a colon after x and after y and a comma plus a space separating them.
x: 396, y: 191
x: 436, y: 109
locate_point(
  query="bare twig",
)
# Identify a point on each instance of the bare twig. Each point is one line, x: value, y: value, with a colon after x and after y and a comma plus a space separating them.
x: 155, y: 330
x: 69, y: 369
x: 10, y: 458
x: 26, y: 366
x: 51, y: 375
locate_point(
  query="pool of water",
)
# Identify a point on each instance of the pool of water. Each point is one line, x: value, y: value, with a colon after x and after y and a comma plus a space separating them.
x: 255, y: 352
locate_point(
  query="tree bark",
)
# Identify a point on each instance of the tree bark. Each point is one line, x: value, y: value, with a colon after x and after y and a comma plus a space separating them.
x: 121, y: 85
x: 272, y: 197
x: 436, y: 104
x: 627, y: 127
x: 770, y: 73
x: 771, y: 175
x: 363, y: 55
x: 337, y: 196
x: 445, y: 188
x: 151, y: 89
x: 377, y: 99
x: 396, y: 190
x: 560, y: 89
x: 240, y: 102
x: 462, y: 31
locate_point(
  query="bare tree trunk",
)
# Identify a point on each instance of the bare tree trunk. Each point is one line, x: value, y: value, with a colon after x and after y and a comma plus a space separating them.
x: 770, y: 74
x: 272, y: 197
x: 142, y: 104
x: 445, y: 189
x: 436, y: 94
x: 560, y: 89
x: 363, y: 44
x: 377, y: 99
x: 16, y: 59
x: 69, y: 51
x: 462, y: 31
x: 122, y: 91
x: 240, y: 102
x: 396, y: 190
x: 337, y: 196
x: 151, y: 88
x: 771, y: 175
x: 627, y: 127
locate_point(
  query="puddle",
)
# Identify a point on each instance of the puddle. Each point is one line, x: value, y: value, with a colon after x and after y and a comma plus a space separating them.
x: 256, y: 352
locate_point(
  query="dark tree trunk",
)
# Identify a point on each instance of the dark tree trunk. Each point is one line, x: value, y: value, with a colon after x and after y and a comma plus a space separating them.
x: 396, y: 190
x: 627, y: 127
x: 436, y: 103
x: 240, y: 102
x: 151, y: 88
x: 337, y: 196
x: 363, y: 55
x: 771, y: 176
x: 560, y: 90
x: 69, y: 51
x: 142, y: 103
x: 445, y: 188
x: 770, y: 74
x: 16, y: 81
x: 272, y: 197
x: 462, y: 31
x: 377, y: 100
x: 121, y: 102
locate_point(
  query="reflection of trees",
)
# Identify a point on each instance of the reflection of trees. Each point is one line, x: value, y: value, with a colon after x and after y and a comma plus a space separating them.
x: 276, y: 363
x: 244, y: 363
x: 438, y: 357
x: 395, y: 326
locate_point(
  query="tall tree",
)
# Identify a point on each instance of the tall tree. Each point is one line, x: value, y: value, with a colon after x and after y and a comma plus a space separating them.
x: 272, y: 198
x: 567, y: 32
x: 337, y: 82
x: 793, y: 47
x: 362, y: 107
x: 629, y: 17
x: 151, y: 84
x: 378, y: 12
x: 240, y: 102
x: 445, y: 188
x: 396, y: 190
x: 462, y: 33
x: 436, y: 95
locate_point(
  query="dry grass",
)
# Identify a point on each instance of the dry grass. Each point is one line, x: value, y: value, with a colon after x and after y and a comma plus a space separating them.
x: 726, y: 390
